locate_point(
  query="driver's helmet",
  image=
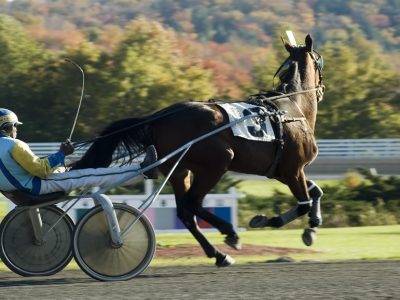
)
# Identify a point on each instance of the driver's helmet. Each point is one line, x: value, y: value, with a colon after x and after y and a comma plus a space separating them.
x: 7, y: 117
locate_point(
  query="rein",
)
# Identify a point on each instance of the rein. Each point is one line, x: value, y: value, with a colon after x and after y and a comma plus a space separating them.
x: 156, y: 117
x: 146, y: 121
x: 291, y: 94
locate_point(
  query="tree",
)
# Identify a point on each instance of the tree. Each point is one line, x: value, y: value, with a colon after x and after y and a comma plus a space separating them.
x: 17, y: 52
x: 264, y: 70
x: 23, y: 64
x: 361, y: 88
x: 150, y: 72
x: 44, y: 90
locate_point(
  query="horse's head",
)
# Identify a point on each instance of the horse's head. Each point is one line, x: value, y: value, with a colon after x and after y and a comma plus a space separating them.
x: 302, y: 70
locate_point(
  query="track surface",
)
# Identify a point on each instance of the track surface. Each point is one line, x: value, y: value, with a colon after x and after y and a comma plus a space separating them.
x: 346, y: 280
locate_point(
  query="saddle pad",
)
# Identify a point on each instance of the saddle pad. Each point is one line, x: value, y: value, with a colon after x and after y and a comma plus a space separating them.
x: 256, y: 129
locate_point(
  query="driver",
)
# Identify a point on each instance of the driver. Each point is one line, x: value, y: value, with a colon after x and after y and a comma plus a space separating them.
x: 21, y: 169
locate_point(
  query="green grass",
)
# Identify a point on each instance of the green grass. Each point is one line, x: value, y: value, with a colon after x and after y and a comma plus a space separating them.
x: 266, y: 188
x: 261, y: 188
x: 332, y: 244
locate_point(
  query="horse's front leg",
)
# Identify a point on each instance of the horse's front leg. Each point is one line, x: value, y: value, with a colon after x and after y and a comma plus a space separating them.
x: 298, y: 187
x: 315, y: 216
x: 316, y: 194
x: 308, y: 195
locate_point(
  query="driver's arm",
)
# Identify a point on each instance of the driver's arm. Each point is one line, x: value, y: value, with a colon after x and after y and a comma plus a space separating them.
x: 41, y: 167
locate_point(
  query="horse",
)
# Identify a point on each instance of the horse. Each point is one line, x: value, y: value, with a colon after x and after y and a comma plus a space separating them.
x: 295, y: 103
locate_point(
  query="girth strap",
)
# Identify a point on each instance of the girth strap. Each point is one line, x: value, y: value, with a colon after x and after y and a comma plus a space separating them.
x: 278, y: 119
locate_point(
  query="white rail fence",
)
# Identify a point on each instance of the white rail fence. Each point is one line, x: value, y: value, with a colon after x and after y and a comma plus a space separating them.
x: 357, y: 148
x: 328, y: 148
x: 336, y: 156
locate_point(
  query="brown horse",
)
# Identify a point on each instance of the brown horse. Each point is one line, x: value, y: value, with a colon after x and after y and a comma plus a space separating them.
x: 295, y: 105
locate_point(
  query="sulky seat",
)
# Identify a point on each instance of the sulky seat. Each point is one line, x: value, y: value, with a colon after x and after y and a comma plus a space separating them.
x: 21, y: 198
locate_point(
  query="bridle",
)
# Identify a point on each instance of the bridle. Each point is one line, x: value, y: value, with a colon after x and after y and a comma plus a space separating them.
x: 318, y: 65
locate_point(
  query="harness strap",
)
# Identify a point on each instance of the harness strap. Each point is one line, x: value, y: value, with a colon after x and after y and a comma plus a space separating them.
x: 279, y: 119
x: 280, y: 144
x: 292, y: 119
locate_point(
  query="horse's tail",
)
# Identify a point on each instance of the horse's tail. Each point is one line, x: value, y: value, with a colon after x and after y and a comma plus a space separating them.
x: 122, y: 140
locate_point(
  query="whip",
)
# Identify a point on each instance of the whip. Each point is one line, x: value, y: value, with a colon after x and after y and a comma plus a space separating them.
x: 80, y: 100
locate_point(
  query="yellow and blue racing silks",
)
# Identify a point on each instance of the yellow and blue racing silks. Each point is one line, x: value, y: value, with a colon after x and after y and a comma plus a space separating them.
x: 21, y: 169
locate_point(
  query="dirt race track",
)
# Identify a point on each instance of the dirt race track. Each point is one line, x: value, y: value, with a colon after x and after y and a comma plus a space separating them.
x: 345, y: 280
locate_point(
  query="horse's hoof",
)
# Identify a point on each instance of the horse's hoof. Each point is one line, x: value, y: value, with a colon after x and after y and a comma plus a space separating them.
x: 309, y: 236
x: 258, y: 221
x: 233, y: 242
x: 315, y: 222
x: 226, y: 262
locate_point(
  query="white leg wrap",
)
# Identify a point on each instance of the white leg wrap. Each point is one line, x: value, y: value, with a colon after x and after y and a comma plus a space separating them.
x: 312, y: 185
x: 304, y: 202
x: 315, y: 193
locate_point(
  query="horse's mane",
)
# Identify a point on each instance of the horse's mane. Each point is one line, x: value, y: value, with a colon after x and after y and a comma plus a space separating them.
x: 290, y: 82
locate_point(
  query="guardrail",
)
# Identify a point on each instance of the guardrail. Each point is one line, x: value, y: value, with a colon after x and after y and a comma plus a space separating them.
x: 335, y: 157
x: 328, y: 148
x: 357, y: 148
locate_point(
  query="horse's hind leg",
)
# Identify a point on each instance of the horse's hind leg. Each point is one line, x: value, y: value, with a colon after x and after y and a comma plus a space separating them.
x: 204, y: 179
x: 180, y: 182
x: 202, y: 183
x: 188, y: 218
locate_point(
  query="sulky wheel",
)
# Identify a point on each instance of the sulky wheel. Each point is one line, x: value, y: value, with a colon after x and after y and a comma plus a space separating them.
x: 24, y: 254
x: 99, y: 258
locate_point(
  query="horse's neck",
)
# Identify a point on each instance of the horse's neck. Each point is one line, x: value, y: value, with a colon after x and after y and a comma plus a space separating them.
x: 307, y: 103
x: 310, y: 112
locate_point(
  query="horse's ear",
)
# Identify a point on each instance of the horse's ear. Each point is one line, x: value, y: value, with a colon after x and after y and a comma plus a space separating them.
x: 287, y: 45
x: 309, y: 43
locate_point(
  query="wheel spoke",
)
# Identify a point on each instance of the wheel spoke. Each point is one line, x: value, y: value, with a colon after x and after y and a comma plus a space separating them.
x: 97, y: 256
x: 25, y: 256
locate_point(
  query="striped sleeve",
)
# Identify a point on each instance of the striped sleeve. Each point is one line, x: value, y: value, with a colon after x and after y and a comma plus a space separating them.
x: 41, y: 167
